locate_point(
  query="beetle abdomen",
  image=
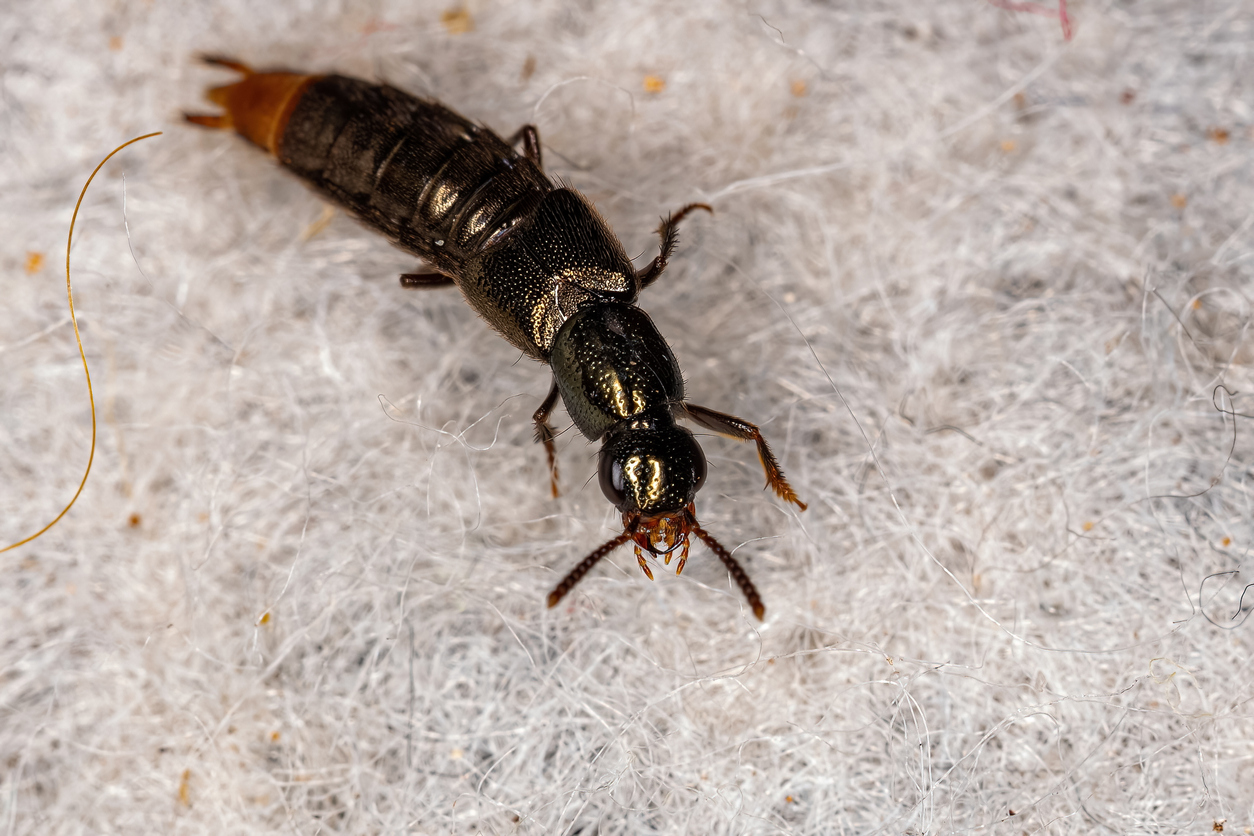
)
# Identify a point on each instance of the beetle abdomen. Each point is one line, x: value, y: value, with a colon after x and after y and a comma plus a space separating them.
x: 437, y: 184
x: 525, y: 254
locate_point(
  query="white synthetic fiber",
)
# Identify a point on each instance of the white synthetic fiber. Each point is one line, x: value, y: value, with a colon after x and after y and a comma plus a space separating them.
x: 978, y: 284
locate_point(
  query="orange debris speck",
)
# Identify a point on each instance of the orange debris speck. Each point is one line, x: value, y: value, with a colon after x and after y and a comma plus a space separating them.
x: 1225, y: 542
x: 798, y: 88
x: 1088, y: 526
x: 115, y: 43
x: 789, y: 799
x: 134, y: 520
x: 457, y: 21
x: 185, y: 790
x: 34, y: 262
x: 1219, y: 136
x: 274, y: 736
x: 1197, y: 304
x: 1008, y: 145
x: 1179, y: 201
x: 654, y: 84
x: 265, y: 618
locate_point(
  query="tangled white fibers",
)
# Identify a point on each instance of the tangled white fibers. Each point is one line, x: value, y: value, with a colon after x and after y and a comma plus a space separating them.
x: 984, y: 281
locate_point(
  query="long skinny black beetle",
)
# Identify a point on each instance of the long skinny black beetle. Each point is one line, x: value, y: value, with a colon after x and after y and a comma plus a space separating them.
x: 533, y: 259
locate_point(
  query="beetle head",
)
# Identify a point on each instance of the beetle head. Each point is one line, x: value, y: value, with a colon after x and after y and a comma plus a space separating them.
x: 651, y: 470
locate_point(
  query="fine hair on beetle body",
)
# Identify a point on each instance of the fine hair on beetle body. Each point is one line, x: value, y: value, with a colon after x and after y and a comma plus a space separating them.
x: 535, y: 260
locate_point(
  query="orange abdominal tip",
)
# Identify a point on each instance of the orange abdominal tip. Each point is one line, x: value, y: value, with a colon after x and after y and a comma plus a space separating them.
x: 258, y: 106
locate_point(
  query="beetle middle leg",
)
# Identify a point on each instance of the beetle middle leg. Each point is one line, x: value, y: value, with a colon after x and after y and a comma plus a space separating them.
x: 545, y: 434
x: 669, y: 233
x: 741, y: 430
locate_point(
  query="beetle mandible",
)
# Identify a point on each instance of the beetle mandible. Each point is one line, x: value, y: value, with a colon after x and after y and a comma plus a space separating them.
x: 535, y: 260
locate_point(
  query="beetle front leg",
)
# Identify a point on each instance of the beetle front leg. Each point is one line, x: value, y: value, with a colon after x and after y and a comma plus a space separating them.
x: 669, y: 233
x: 741, y: 430
x: 545, y: 434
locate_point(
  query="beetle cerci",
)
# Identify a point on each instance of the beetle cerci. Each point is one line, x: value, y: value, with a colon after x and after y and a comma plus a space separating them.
x: 535, y: 260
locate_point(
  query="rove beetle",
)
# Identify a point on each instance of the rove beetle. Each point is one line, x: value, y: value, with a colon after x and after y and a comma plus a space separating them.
x: 534, y: 259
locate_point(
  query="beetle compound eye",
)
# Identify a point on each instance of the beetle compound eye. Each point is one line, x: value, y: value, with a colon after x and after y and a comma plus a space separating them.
x: 612, y: 484
x: 698, y: 466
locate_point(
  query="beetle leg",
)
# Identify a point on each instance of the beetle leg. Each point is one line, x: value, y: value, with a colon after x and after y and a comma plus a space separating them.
x: 545, y: 434
x: 741, y: 430
x: 530, y: 139
x: 669, y: 233
x: 423, y: 281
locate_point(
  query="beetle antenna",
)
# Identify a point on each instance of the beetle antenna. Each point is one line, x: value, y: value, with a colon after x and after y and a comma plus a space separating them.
x: 576, y: 574
x: 738, y: 574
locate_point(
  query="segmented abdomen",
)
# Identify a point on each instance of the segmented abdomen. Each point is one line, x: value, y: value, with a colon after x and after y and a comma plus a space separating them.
x: 437, y: 184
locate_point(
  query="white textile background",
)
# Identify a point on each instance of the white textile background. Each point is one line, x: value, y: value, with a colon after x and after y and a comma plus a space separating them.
x: 980, y: 284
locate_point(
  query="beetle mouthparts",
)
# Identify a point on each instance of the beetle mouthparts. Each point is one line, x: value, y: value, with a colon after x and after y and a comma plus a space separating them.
x: 662, y: 534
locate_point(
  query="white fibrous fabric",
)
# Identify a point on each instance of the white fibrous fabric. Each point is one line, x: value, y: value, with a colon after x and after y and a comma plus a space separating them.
x: 980, y: 271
